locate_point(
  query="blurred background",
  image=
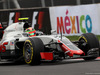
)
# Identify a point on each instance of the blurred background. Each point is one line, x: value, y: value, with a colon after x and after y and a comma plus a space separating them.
x: 13, y: 4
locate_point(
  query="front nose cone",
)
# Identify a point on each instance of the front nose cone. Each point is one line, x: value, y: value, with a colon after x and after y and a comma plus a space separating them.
x: 78, y: 52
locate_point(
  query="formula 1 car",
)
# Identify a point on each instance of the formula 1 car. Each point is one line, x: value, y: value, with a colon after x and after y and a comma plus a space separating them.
x: 16, y: 45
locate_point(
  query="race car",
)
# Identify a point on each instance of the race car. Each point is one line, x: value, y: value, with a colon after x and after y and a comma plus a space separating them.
x: 16, y: 45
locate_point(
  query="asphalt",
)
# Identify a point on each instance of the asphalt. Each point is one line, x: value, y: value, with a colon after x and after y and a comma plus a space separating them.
x: 65, y: 67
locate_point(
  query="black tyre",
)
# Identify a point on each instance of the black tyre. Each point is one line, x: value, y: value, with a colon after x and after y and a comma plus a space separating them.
x: 92, y: 42
x: 31, y: 51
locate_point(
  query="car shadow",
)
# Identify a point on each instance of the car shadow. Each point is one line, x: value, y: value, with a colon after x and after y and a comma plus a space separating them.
x: 48, y: 63
x: 66, y: 62
x: 11, y: 63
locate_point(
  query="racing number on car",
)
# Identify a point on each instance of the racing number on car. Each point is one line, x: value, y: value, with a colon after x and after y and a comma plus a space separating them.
x: 3, y: 47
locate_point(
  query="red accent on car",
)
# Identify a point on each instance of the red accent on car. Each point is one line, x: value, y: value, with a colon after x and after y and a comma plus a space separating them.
x: 70, y: 52
x: 46, y: 55
x: 2, y: 47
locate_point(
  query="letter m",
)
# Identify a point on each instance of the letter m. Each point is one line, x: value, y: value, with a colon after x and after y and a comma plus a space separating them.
x: 60, y: 25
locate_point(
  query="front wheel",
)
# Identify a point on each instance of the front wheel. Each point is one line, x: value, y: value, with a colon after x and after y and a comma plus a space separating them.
x: 31, y: 51
x: 90, y: 41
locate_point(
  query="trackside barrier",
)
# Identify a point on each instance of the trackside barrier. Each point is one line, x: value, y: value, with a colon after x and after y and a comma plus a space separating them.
x: 76, y: 20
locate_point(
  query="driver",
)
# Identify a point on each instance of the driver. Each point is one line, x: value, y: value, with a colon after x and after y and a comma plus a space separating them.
x: 31, y: 31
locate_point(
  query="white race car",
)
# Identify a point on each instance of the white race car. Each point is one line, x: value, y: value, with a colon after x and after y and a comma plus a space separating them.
x: 16, y: 45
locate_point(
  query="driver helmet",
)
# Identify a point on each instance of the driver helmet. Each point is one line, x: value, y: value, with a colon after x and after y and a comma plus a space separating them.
x: 31, y: 31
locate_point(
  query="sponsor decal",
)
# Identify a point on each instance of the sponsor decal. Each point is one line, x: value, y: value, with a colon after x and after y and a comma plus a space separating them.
x: 74, y: 24
x: 11, y: 43
x: 1, y: 26
x: 38, y: 19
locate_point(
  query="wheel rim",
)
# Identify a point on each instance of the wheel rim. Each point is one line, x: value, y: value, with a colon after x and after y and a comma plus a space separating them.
x: 28, y: 53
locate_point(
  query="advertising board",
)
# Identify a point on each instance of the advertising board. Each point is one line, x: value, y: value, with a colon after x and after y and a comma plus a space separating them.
x: 39, y: 19
x: 75, y: 20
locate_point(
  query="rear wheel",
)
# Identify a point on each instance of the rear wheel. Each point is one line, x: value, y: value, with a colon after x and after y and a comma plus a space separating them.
x: 31, y: 51
x: 90, y: 41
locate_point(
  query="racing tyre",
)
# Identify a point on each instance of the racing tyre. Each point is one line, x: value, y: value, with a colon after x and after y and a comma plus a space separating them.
x: 90, y: 41
x: 31, y: 51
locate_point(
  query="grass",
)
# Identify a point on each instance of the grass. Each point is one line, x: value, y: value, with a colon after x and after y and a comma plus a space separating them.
x: 74, y: 38
x: 98, y: 36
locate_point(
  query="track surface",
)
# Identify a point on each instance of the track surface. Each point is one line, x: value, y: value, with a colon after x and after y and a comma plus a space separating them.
x: 66, y: 67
